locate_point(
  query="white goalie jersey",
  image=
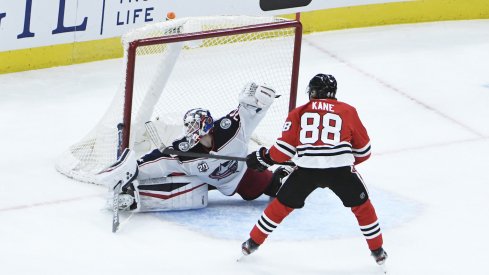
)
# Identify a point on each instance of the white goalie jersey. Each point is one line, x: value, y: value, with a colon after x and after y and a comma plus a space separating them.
x: 231, y: 135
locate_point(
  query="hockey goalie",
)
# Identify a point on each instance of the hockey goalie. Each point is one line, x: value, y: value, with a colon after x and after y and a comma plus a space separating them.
x: 162, y: 182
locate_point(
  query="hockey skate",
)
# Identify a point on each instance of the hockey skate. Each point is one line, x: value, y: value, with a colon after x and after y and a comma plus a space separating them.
x: 379, y: 255
x: 249, y: 247
x: 126, y: 198
x: 125, y: 202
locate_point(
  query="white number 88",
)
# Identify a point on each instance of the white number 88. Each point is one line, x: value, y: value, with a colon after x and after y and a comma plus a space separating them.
x: 310, y: 132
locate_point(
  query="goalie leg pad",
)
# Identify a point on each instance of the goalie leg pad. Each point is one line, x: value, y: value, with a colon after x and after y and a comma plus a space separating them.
x: 125, y: 170
x: 171, y: 193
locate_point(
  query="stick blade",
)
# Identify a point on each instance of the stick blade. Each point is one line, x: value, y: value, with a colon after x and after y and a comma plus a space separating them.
x: 115, y: 207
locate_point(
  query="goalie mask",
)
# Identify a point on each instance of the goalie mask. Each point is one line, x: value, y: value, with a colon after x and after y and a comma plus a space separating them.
x: 322, y: 86
x: 197, y: 123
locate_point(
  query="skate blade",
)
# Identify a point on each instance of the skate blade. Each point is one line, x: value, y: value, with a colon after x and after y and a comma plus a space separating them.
x: 241, y: 257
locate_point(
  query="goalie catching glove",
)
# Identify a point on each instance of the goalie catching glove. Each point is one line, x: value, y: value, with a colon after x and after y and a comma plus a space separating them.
x: 256, y: 96
x: 259, y: 160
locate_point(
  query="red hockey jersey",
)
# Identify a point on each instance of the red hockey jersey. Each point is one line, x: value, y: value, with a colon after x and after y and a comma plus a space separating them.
x: 323, y: 133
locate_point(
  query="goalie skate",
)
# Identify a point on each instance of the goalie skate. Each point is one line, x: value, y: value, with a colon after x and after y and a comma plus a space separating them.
x: 124, y: 202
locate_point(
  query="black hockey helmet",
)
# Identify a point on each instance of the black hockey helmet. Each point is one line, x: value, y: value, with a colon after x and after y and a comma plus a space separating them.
x: 322, y: 86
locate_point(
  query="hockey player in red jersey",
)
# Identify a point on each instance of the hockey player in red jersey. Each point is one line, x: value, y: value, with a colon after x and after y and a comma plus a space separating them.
x: 328, y: 140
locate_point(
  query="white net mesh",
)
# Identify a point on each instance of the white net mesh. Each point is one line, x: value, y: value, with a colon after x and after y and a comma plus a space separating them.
x: 172, y: 78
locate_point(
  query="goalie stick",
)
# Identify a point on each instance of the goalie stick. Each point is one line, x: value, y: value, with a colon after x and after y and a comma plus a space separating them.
x: 118, y: 187
x: 115, y: 206
x: 116, y: 191
x: 155, y: 138
x: 116, y: 223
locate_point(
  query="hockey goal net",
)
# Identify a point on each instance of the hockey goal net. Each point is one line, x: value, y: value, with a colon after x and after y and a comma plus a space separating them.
x: 177, y: 65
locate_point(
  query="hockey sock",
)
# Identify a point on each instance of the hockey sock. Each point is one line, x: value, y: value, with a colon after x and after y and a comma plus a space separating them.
x: 367, y: 220
x: 272, y: 216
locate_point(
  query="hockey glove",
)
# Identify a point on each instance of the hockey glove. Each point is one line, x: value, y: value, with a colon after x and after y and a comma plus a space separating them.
x: 125, y: 170
x: 256, y: 97
x: 259, y: 160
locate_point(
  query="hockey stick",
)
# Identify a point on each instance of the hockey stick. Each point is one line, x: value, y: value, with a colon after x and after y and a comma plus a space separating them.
x: 116, y: 222
x: 118, y: 187
x: 115, y: 206
x: 155, y: 138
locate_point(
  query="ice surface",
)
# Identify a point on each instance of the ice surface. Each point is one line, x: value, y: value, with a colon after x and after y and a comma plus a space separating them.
x: 422, y: 92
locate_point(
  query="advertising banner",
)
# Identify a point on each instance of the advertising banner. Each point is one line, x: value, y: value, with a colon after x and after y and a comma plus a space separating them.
x: 35, y: 23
